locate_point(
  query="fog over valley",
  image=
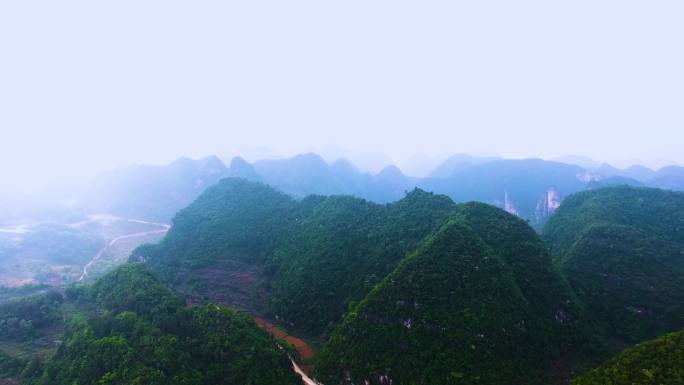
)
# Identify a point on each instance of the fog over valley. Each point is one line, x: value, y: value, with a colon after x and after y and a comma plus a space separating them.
x: 341, y: 193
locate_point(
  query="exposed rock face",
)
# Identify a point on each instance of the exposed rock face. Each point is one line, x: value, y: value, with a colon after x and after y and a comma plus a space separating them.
x: 508, y: 205
x: 547, y: 205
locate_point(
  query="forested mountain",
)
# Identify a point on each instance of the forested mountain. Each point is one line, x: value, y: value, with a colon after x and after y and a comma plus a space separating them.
x: 241, y: 241
x: 479, y: 302
x: 158, y: 192
x: 622, y: 250
x: 393, y: 290
x: 130, y: 329
x: 344, y: 247
x: 529, y: 188
x: 419, y: 291
x: 660, y: 361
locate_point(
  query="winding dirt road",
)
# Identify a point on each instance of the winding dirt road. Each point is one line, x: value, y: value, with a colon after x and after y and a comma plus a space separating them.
x: 110, y: 244
x: 163, y: 228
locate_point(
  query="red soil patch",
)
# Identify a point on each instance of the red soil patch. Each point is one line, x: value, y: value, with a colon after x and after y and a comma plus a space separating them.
x: 304, y: 350
x: 277, y: 333
x: 306, y: 353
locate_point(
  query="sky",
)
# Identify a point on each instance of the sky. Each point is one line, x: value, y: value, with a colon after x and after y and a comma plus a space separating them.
x: 87, y: 86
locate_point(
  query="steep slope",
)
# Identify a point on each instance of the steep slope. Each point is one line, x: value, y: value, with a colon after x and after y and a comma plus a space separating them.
x: 622, y: 250
x: 218, y: 246
x: 153, y: 192
x: 345, y: 246
x: 128, y: 328
x: 660, y: 361
x: 250, y: 246
x: 479, y: 302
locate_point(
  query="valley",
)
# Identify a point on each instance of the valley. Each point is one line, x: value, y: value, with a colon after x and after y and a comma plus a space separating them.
x: 35, y: 254
x: 341, y: 192
x: 109, y: 250
x: 378, y: 288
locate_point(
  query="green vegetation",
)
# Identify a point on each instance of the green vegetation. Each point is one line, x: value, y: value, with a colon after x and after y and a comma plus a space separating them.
x: 11, y: 293
x: 345, y: 246
x: 128, y: 328
x: 316, y: 256
x: 467, y: 307
x: 622, y: 250
x: 234, y: 219
x: 21, y: 319
x: 656, y: 362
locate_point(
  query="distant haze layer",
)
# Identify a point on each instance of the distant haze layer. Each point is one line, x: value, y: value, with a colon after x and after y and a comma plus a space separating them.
x: 87, y: 86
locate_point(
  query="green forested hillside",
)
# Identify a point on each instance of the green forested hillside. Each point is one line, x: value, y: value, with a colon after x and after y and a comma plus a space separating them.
x: 241, y: 241
x: 128, y: 329
x: 23, y: 318
x: 343, y: 248
x: 469, y: 306
x: 234, y: 219
x: 622, y: 250
x: 545, y: 289
x: 657, y: 362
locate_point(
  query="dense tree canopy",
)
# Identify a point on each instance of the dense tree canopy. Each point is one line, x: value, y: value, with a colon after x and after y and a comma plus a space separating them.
x: 128, y: 328
x: 315, y: 256
x: 468, y: 307
x: 622, y: 250
x: 656, y: 362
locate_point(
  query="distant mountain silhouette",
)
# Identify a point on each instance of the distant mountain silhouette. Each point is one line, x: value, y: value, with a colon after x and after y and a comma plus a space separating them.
x: 530, y: 188
x: 670, y: 177
x: 457, y: 163
x: 153, y: 192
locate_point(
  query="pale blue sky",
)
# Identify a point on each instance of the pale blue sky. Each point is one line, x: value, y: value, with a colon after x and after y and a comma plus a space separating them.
x: 90, y: 85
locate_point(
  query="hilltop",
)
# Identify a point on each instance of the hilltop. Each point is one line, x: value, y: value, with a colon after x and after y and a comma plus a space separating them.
x: 622, y: 250
x: 478, y: 302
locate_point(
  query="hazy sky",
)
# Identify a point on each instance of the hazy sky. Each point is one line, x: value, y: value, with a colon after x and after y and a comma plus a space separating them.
x: 90, y: 85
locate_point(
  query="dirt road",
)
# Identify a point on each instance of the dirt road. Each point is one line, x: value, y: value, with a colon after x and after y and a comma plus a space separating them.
x: 162, y: 228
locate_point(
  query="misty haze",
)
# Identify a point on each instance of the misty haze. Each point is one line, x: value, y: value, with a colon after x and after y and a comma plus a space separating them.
x: 354, y: 193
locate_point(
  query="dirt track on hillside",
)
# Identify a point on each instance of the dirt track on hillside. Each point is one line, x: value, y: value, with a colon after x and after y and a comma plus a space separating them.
x: 305, y: 352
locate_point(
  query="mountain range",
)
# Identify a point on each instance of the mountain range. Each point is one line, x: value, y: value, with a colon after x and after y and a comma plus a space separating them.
x: 422, y: 289
x: 529, y: 188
